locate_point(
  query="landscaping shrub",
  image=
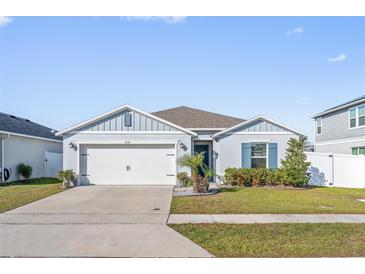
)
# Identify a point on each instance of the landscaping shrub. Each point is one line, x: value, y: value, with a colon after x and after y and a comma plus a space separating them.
x: 25, y: 171
x: 67, y: 177
x: 184, y: 179
x: 196, y: 164
x: 294, y: 165
x: 260, y: 176
x: 247, y: 177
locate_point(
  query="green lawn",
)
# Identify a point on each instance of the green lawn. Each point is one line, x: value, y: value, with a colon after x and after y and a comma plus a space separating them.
x: 278, y: 240
x: 16, y: 194
x: 274, y: 201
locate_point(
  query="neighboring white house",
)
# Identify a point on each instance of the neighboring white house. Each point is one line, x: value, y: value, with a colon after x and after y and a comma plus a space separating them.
x: 130, y: 146
x: 341, y: 129
x: 23, y: 141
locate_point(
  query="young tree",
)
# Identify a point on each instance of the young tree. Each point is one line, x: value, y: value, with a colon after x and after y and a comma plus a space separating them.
x: 295, y: 166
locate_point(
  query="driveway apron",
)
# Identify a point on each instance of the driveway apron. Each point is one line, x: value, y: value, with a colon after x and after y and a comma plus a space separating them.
x: 96, y: 221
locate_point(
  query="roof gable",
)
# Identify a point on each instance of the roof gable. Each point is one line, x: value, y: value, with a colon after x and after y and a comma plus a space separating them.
x: 197, y: 119
x: 17, y: 125
x: 354, y: 102
x: 112, y: 121
x: 259, y: 124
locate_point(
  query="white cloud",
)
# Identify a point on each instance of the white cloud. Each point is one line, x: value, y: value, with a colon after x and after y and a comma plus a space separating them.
x: 295, y: 31
x: 4, y: 20
x: 165, y: 19
x: 342, y: 57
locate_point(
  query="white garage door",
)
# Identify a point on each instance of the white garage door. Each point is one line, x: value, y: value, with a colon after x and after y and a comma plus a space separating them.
x: 129, y: 164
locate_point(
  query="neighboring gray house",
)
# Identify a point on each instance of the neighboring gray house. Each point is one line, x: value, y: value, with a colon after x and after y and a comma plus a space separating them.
x: 130, y: 146
x: 23, y: 141
x: 341, y: 129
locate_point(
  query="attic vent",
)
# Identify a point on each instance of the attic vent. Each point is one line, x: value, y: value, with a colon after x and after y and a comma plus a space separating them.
x: 128, y: 119
x: 27, y: 120
x: 12, y: 116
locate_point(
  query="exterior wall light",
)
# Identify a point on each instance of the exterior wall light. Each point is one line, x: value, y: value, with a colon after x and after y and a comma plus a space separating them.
x: 72, y: 146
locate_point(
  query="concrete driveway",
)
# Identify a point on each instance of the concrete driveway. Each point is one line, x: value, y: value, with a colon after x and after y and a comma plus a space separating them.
x: 96, y: 221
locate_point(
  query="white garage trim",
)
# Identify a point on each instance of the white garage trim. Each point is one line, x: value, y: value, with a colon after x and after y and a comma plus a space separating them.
x: 175, y: 144
x: 129, y: 132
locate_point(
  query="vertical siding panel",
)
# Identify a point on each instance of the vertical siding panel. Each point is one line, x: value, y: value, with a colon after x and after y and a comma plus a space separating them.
x: 140, y: 122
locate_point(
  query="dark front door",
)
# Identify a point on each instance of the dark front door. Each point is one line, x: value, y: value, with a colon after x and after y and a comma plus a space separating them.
x: 205, y: 149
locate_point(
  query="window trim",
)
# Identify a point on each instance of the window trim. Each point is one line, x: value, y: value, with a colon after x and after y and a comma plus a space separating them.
x: 357, y: 117
x: 261, y: 157
x: 319, y: 119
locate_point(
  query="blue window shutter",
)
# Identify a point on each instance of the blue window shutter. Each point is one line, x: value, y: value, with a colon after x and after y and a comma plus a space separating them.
x: 273, y: 155
x: 246, y: 155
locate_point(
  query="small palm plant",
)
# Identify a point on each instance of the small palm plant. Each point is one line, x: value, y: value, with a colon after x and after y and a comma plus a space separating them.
x: 67, y: 177
x: 196, y: 163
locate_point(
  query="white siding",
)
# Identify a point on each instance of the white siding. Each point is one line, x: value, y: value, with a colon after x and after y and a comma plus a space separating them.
x: 29, y: 151
x: 229, y: 148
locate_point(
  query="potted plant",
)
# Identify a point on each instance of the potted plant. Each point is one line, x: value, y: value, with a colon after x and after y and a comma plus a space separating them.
x: 67, y: 177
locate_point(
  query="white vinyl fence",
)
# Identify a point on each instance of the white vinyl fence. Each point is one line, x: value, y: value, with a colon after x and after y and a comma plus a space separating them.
x: 53, y: 164
x: 337, y: 170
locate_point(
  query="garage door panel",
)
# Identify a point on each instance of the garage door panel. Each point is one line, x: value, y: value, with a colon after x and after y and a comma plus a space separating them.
x: 131, y: 164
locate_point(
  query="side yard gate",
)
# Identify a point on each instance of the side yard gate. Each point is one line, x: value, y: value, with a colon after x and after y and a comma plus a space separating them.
x: 53, y: 164
x: 337, y: 170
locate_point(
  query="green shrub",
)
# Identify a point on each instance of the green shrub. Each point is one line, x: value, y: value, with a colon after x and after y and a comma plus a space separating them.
x: 294, y: 165
x: 25, y: 171
x: 254, y: 177
x: 67, y: 177
x: 184, y: 179
x: 229, y: 176
x: 260, y: 176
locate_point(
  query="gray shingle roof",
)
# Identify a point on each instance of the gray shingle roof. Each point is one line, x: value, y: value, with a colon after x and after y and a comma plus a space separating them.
x: 195, y: 118
x: 347, y: 104
x: 11, y: 123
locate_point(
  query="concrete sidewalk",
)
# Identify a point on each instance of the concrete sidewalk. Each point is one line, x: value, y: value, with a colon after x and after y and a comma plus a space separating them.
x: 264, y: 218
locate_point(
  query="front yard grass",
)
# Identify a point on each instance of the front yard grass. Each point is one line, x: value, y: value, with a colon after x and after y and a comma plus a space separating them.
x: 278, y: 240
x: 19, y: 194
x: 273, y: 201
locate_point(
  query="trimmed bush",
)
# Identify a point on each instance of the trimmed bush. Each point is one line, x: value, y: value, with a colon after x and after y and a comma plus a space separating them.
x: 25, y: 171
x: 247, y: 177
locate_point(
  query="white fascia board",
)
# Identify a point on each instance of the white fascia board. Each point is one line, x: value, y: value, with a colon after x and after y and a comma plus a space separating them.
x: 129, y: 132
x: 352, y: 104
x: 30, y: 136
x: 207, y: 129
x: 260, y: 117
x: 109, y: 113
x: 127, y: 142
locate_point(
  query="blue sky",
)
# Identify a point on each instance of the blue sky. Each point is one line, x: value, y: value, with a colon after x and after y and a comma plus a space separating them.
x: 61, y: 70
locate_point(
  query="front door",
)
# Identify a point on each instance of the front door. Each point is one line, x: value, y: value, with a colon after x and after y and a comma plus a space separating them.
x: 205, y: 149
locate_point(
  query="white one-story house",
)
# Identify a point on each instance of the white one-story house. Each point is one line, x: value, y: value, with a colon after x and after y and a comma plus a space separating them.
x: 23, y: 141
x: 129, y: 146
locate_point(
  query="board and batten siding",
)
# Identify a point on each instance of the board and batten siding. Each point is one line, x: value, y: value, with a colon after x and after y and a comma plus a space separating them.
x: 260, y: 126
x: 140, y: 122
